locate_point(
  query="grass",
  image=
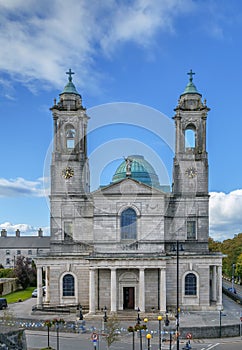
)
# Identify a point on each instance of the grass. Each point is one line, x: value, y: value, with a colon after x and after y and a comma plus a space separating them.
x: 19, y: 295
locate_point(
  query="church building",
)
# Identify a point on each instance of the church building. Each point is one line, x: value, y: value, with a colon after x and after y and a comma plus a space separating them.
x: 134, y: 243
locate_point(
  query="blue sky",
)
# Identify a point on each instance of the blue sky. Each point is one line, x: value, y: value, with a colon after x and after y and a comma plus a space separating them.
x: 126, y: 53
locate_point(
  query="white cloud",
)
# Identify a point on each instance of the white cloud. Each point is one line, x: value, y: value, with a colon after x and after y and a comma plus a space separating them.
x: 22, y: 188
x: 25, y: 229
x: 225, y: 214
x: 41, y: 39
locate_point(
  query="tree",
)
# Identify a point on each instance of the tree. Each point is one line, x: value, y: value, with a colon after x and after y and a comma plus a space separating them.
x: 25, y: 272
x: 111, y: 332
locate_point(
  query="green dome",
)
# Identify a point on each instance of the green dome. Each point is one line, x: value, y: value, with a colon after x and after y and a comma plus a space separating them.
x: 70, y: 89
x: 190, y: 88
x: 140, y: 170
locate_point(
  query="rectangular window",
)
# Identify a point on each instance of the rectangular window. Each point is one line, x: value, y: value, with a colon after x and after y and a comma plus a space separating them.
x: 18, y: 252
x: 29, y: 252
x: 191, y: 229
x: 7, y: 252
x: 70, y: 144
x: 68, y: 230
x: 8, y: 261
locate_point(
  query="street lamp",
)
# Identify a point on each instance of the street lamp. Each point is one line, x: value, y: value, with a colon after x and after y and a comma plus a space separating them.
x: 167, y: 322
x: 159, y: 319
x: 139, y: 327
x: 233, y: 266
x: 138, y: 317
x: 177, y: 249
x: 148, y: 337
x: 80, y: 313
x: 105, y: 317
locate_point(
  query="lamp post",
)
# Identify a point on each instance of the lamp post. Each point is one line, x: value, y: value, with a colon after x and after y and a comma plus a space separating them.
x: 177, y: 295
x: 80, y: 313
x: 233, y: 266
x: 105, y: 317
x: 148, y: 337
x: 139, y: 327
x: 132, y: 330
x: 159, y: 320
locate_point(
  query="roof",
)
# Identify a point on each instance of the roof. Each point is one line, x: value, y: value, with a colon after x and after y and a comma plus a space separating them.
x: 25, y: 242
x: 70, y: 87
x: 190, y: 88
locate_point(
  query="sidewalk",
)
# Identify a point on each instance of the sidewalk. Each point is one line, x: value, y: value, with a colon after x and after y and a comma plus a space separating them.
x: 229, y: 316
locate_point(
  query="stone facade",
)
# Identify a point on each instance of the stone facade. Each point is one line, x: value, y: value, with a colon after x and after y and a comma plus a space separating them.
x: 159, y: 260
x: 11, y: 247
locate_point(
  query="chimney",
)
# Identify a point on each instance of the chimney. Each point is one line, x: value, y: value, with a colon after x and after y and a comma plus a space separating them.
x: 3, y: 233
x: 17, y: 233
x: 40, y: 232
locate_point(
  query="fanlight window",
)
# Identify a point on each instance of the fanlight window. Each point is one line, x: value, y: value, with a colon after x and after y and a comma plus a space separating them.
x: 128, y: 224
x: 190, y: 284
x: 70, y: 138
x: 68, y: 286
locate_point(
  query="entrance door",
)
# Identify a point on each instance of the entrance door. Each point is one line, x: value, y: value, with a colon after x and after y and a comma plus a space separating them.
x: 128, y: 297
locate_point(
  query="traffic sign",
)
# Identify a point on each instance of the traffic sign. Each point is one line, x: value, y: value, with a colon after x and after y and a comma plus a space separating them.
x: 189, y: 336
x: 94, y: 337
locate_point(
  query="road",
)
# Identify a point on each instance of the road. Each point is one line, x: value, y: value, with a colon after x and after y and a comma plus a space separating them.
x: 69, y: 341
x: 238, y: 287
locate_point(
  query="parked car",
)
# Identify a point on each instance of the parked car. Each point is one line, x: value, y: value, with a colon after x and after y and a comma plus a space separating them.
x: 3, y: 303
x: 35, y: 292
x: 232, y: 290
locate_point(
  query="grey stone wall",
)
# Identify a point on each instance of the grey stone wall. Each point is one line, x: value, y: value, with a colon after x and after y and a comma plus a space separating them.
x: 12, y: 339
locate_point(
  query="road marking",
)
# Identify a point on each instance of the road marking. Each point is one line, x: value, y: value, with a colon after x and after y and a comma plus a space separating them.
x: 213, y: 346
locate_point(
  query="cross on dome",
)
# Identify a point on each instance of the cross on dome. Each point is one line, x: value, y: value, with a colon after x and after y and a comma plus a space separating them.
x: 70, y: 73
x: 191, y: 73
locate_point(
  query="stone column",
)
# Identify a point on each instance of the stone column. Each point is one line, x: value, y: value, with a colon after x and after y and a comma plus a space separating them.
x: 47, y: 284
x: 219, y: 299
x: 214, y: 283
x: 113, y: 290
x: 39, y: 287
x: 162, y: 290
x: 92, y: 297
x: 142, y: 289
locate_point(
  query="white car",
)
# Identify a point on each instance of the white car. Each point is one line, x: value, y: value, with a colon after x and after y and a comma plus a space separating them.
x: 35, y: 292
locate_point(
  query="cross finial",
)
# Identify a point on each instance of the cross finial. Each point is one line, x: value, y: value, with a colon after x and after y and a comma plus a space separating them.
x: 191, y: 73
x: 70, y: 74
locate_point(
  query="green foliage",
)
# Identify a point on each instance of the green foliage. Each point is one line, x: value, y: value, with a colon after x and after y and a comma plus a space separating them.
x: 111, y: 330
x: 6, y: 273
x: 25, y: 272
x: 21, y: 294
x: 232, y: 249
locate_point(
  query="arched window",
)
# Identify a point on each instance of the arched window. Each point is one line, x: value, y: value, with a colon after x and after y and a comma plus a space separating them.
x: 190, y: 284
x: 128, y: 224
x: 68, y: 286
x: 190, y: 137
x: 70, y: 138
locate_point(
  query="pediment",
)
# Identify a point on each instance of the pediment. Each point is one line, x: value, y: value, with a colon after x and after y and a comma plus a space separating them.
x: 127, y: 187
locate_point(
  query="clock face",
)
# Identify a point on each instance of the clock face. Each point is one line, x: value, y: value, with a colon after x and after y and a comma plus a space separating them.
x: 67, y: 173
x: 191, y: 172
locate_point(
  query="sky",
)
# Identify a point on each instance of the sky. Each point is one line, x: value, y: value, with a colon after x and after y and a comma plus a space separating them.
x: 131, y: 59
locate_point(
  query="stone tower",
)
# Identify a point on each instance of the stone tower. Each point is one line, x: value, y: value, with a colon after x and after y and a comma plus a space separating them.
x: 189, y: 203
x: 70, y: 180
